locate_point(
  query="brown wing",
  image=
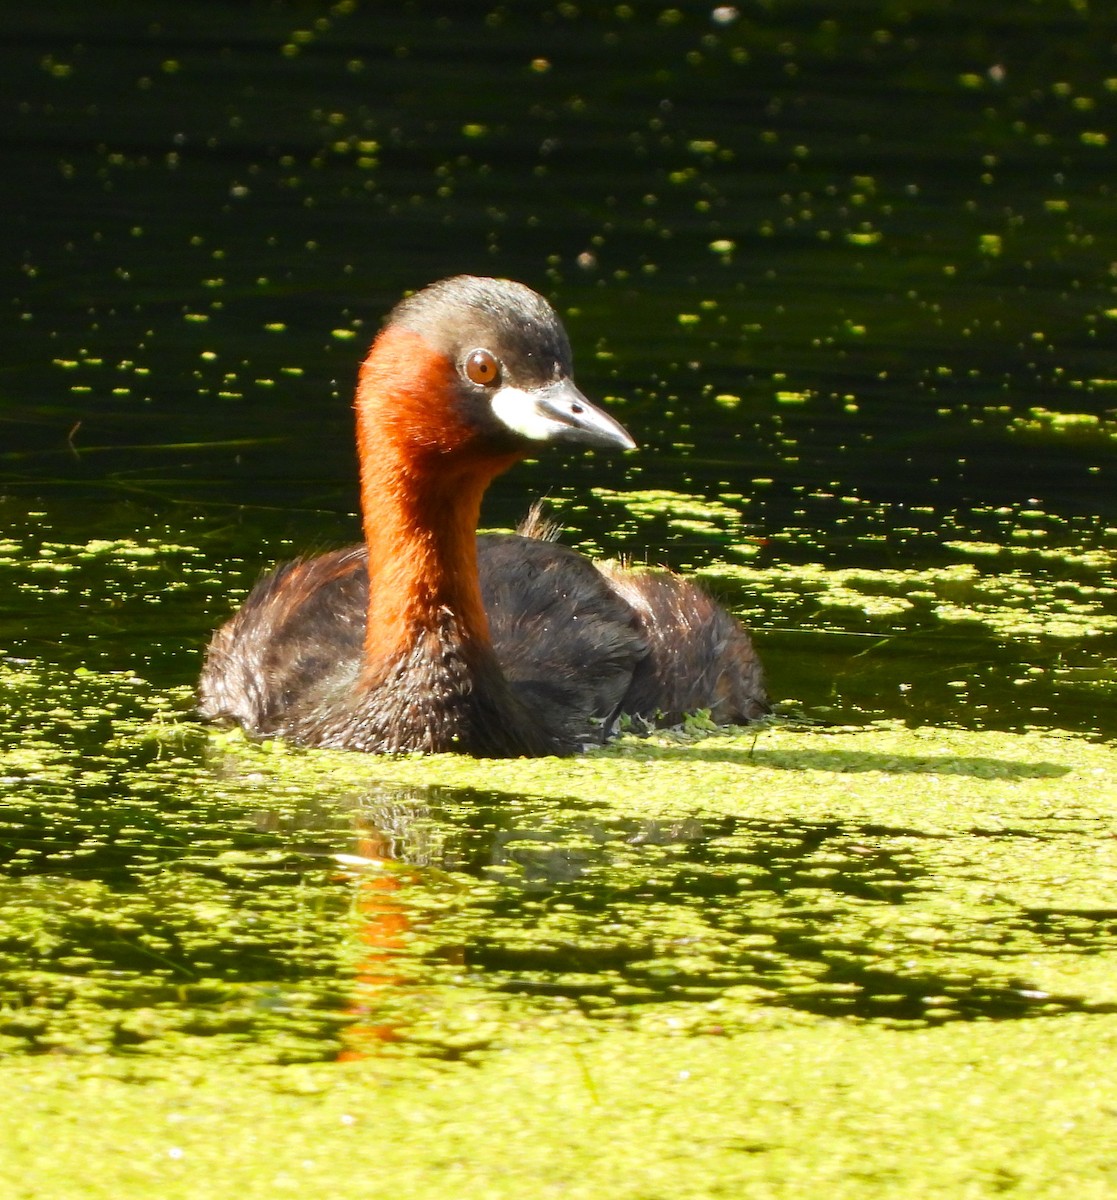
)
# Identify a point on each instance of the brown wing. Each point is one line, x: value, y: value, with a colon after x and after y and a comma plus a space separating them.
x: 299, y: 633
x: 699, y: 656
x: 567, y: 643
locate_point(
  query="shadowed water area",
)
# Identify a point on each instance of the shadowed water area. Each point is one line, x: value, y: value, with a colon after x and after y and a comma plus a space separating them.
x: 849, y: 276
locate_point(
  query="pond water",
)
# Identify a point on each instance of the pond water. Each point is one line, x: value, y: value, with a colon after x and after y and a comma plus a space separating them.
x: 848, y: 274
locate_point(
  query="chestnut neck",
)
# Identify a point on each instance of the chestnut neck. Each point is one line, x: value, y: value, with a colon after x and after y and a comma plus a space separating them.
x: 421, y: 487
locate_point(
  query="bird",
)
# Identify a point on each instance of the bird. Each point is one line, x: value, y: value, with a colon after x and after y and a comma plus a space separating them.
x: 428, y: 637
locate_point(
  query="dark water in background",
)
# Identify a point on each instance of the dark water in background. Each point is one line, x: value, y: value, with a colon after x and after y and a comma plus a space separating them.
x: 827, y: 262
x: 899, y: 216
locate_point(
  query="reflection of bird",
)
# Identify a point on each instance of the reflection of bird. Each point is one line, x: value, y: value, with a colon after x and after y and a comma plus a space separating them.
x: 430, y: 638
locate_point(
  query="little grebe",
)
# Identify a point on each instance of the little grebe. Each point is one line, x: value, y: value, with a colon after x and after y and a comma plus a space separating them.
x: 428, y: 637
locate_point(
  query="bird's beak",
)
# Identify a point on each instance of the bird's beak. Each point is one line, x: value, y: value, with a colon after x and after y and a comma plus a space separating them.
x: 558, y: 412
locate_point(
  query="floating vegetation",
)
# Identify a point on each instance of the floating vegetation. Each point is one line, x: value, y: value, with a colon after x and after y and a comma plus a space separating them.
x: 872, y: 381
x: 675, y: 506
x: 1066, y: 424
x: 1010, y: 604
x: 164, y: 882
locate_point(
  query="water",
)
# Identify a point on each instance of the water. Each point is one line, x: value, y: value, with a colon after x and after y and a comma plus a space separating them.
x: 849, y: 279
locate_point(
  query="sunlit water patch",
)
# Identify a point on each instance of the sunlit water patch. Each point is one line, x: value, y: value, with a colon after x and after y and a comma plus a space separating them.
x: 993, y: 617
x: 165, y: 886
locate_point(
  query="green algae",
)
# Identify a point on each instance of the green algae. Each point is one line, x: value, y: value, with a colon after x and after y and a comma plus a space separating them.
x: 1009, y: 603
x: 1046, y: 423
x: 677, y: 506
x: 811, y: 1110
x: 852, y: 960
x: 170, y: 887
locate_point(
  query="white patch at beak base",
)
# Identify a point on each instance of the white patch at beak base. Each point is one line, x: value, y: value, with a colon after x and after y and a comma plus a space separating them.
x: 558, y: 412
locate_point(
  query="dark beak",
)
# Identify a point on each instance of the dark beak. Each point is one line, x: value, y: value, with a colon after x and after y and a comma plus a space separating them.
x: 559, y: 413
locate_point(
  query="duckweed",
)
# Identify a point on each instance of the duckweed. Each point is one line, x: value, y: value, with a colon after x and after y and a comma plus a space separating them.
x: 866, y: 949
x: 686, y: 914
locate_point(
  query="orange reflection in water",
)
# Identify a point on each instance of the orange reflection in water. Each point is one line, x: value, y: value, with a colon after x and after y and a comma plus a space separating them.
x: 384, y: 925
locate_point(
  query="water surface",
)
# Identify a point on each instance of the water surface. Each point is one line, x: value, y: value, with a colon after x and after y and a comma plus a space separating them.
x: 847, y: 274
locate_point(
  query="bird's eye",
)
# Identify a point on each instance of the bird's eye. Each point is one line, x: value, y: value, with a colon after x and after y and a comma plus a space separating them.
x: 481, y: 367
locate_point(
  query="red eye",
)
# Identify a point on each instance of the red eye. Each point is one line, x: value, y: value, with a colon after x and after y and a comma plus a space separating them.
x: 481, y: 367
